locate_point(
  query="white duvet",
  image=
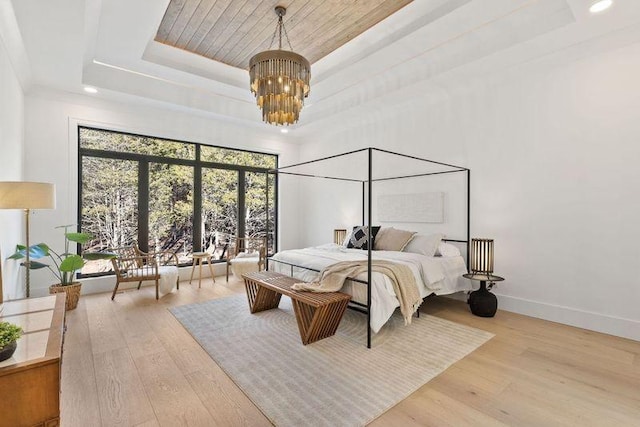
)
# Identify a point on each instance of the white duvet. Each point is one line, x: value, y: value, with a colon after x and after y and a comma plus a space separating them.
x: 439, y: 275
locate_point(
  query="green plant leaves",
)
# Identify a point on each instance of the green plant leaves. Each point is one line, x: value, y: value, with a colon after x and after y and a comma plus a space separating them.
x: 38, y: 251
x: 98, y: 255
x: 18, y: 255
x: 81, y: 238
x: 71, y: 263
x: 35, y: 265
x: 9, y: 333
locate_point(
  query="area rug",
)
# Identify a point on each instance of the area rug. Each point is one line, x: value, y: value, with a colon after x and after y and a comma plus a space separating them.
x: 332, y: 382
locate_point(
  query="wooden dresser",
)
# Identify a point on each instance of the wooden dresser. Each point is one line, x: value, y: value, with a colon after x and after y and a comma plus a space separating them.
x: 30, y: 380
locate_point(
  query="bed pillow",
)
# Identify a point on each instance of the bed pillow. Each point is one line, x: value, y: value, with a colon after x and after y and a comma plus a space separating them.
x: 392, y: 239
x: 424, y: 244
x: 359, y: 237
x: 345, y: 242
x: 447, y: 249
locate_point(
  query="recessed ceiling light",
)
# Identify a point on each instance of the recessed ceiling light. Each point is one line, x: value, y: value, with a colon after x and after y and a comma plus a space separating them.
x: 90, y: 89
x: 284, y: 130
x: 600, y: 6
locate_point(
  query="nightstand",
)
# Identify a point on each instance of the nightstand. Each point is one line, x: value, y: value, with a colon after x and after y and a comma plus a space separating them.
x: 482, y: 302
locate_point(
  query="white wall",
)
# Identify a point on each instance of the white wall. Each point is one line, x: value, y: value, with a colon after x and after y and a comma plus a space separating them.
x: 553, y: 153
x: 342, y: 201
x: 11, y: 168
x: 51, y: 120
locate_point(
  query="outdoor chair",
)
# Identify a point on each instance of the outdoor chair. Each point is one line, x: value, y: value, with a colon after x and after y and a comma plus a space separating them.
x: 133, y: 265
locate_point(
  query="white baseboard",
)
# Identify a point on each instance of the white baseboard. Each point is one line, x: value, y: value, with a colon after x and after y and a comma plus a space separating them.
x: 98, y: 285
x: 626, y: 328
x: 460, y: 296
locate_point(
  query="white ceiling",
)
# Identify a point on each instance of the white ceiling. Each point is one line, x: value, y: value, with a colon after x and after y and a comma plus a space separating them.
x: 109, y: 44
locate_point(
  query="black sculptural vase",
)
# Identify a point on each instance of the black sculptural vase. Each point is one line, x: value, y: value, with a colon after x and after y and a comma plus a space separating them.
x: 482, y: 302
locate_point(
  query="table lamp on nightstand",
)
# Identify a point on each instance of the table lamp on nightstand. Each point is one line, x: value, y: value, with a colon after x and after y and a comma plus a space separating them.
x: 339, y: 235
x: 482, y: 302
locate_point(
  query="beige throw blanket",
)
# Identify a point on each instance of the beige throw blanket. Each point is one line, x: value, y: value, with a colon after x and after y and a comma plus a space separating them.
x: 404, y: 283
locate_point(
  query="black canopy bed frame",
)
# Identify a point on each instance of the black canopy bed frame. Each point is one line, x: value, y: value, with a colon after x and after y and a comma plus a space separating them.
x: 367, y: 194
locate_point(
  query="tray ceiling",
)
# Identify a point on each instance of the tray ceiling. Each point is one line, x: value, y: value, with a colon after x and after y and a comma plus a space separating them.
x: 431, y: 48
x: 232, y: 31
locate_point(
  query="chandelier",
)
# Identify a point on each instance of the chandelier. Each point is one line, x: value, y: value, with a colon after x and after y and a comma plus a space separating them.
x: 280, y: 79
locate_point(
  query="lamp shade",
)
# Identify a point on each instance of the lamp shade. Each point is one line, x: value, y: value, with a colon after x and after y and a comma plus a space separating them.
x: 481, y: 256
x: 339, y: 235
x: 27, y: 195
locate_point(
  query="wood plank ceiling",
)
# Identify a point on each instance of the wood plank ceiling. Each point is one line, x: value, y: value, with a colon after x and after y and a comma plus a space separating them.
x: 232, y: 31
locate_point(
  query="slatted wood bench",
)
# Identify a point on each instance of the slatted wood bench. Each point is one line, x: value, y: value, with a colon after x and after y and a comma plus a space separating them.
x: 318, y: 314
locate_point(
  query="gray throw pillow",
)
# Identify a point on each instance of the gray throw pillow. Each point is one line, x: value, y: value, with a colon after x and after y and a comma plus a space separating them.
x: 359, y: 237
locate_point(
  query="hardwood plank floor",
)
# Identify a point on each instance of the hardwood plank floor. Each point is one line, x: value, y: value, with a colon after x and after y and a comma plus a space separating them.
x: 129, y: 362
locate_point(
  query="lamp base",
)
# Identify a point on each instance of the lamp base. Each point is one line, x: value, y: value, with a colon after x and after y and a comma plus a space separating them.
x: 482, y: 302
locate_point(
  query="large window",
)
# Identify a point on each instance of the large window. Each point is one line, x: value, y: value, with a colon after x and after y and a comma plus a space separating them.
x: 171, y: 196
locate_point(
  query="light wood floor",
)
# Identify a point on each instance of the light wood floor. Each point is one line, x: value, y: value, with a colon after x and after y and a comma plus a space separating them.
x: 129, y: 362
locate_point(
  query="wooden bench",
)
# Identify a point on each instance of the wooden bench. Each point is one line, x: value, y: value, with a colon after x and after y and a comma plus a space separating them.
x: 318, y: 314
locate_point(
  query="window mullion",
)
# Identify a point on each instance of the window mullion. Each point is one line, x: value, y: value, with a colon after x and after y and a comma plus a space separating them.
x: 241, y: 203
x: 197, y: 203
x: 143, y: 205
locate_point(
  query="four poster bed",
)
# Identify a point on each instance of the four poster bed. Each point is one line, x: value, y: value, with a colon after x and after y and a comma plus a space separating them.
x: 373, y: 292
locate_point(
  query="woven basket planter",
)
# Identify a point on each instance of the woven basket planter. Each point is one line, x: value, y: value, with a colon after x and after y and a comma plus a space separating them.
x: 72, y: 291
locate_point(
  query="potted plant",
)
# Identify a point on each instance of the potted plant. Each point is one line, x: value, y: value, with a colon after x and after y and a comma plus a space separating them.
x: 65, y: 265
x: 9, y: 334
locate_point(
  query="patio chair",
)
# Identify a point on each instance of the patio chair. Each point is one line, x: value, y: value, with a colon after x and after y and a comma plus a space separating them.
x: 133, y: 265
x: 246, y: 255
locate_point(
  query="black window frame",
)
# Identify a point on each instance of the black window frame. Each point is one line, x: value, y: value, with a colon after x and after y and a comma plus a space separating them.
x: 143, y: 190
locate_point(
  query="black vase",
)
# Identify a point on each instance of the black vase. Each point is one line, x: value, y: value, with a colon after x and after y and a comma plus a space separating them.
x: 7, y: 351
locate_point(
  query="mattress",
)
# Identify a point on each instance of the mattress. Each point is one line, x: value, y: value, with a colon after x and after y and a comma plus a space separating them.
x: 434, y: 275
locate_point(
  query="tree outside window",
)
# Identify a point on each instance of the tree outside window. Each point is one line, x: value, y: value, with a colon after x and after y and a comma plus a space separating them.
x: 171, y: 195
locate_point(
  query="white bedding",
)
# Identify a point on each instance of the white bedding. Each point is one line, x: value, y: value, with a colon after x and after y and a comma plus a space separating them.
x: 439, y: 275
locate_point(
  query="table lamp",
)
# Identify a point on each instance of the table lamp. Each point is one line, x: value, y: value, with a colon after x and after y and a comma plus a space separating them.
x: 339, y: 235
x: 481, y: 256
x: 27, y: 195
x: 482, y: 302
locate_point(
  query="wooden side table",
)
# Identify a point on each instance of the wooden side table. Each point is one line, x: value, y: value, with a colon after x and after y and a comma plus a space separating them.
x: 482, y: 302
x: 198, y: 258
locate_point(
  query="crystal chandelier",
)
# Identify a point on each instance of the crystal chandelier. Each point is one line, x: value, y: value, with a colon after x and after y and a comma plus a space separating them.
x: 280, y: 79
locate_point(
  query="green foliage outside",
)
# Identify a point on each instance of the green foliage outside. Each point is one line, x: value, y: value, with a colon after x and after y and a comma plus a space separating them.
x: 125, y: 143
x: 110, y: 195
x: 170, y: 207
x: 110, y: 202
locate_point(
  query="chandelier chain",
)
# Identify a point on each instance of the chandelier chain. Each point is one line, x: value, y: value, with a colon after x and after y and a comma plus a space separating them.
x: 279, y: 28
x: 273, y: 37
x: 287, y: 36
